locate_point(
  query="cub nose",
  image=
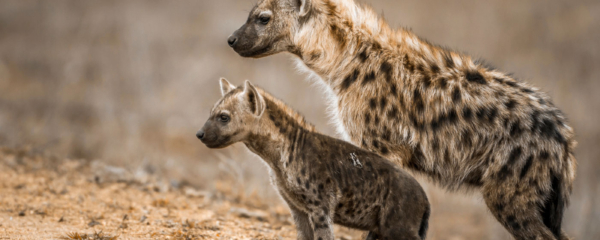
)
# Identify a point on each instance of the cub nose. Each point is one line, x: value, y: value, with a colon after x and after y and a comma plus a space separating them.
x: 200, y: 134
x: 232, y: 40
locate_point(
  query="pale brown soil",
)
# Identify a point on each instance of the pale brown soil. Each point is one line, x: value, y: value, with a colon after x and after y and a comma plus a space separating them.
x: 49, y: 198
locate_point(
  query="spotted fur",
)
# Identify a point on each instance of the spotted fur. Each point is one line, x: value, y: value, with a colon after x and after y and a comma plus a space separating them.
x: 324, y: 180
x: 435, y: 111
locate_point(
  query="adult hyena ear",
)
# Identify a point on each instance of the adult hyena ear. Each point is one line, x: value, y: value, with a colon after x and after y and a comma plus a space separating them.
x: 225, y: 86
x: 255, y: 100
x: 303, y: 6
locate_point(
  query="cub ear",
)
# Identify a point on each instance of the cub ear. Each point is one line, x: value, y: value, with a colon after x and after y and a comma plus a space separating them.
x: 225, y: 86
x: 303, y: 7
x: 255, y: 100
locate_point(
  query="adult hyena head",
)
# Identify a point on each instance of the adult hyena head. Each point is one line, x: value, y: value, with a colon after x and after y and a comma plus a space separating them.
x: 233, y: 117
x: 269, y: 28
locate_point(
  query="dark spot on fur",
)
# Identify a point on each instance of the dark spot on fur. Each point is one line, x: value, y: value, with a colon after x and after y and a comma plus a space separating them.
x: 483, y: 113
x: 384, y: 150
x: 443, y: 83
x: 393, y: 113
x: 375, y: 144
x: 504, y: 173
x: 499, y: 207
x: 420, y: 68
x: 548, y: 129
x: 373, y: 103
x: 382, y: 102
x: 456, y: 95
x: 386, y: 134
x: 338, y: 34
x: 367, y: 118
x: 386, y: 69
x: 393, y: 89
x: 511, y: 83
x: 515, y: 129
x: 416, y: 160
x: 527, y: 90
x: 448, y: 61
x: 369, y: 77
x: 426, y: 81
x: 467, y: 113
x: 434, y: 68
x: 510, y: 105
x: 514, y: 156
x: 544, y: 155
x: 363, y: 56
x: 511, y: 220
x: 418, y: 101
x: 350, y: 79
x: 527, y: 166
x: 535, y: 121
x: 493, y: 113
x: 416, y: 122
x: 475, y: 77
x: 408, y: 64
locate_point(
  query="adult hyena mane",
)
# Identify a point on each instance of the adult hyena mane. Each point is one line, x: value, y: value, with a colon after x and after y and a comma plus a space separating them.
x: 429, y: 109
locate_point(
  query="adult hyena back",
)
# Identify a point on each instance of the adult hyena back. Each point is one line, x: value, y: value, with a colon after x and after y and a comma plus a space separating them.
x: 431, y: 110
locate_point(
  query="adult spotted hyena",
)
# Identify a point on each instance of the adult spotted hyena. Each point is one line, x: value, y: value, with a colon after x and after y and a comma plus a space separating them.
x: 429, y: 109
x: 324, y: 180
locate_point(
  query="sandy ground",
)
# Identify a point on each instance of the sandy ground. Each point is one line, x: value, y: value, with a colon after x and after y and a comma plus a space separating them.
x: 49, y: 198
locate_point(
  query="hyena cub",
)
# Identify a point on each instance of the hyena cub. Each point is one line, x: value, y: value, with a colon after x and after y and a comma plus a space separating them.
x: 323, y: 180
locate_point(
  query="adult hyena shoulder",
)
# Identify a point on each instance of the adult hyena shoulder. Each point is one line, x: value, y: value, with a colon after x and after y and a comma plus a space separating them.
x: 429, y: 109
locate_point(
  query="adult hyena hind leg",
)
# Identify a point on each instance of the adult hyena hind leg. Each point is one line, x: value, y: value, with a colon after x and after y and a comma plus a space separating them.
x: 522, y: 210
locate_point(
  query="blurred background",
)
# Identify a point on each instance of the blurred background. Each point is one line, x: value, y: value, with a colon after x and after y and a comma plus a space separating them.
x: 130, y: 83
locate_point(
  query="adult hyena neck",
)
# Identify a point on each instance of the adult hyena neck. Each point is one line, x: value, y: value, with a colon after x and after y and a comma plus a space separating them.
x: 280, y: 133
x: 343, y: 36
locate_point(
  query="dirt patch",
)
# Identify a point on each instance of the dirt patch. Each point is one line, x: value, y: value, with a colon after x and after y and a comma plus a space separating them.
x: 49, y: 198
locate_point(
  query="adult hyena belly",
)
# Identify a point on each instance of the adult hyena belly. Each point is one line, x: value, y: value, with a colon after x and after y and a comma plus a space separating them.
x: 458, y: 129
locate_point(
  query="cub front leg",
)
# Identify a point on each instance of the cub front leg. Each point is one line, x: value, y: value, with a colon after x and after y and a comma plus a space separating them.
x: 303, y: 225
x: 322, y: 225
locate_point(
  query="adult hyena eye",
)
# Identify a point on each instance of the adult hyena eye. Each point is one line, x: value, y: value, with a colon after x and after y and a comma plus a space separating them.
x: 264, y: 19
x: 224, y: 118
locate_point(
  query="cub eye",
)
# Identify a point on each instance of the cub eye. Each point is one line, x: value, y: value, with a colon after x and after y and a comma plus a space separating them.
x: 224, y: 118
x: 264, y: 19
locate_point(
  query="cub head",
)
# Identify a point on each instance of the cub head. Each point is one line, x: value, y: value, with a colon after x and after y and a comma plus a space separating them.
x: 269, y: 28
x: 233, y: 117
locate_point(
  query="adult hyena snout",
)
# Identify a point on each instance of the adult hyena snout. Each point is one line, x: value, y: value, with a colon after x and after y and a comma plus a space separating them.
x: 244, y: 41
x: 232, y: 40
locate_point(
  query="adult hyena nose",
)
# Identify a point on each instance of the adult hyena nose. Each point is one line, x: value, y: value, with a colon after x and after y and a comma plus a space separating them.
x: 200, y: 134
x: 232, y: 40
